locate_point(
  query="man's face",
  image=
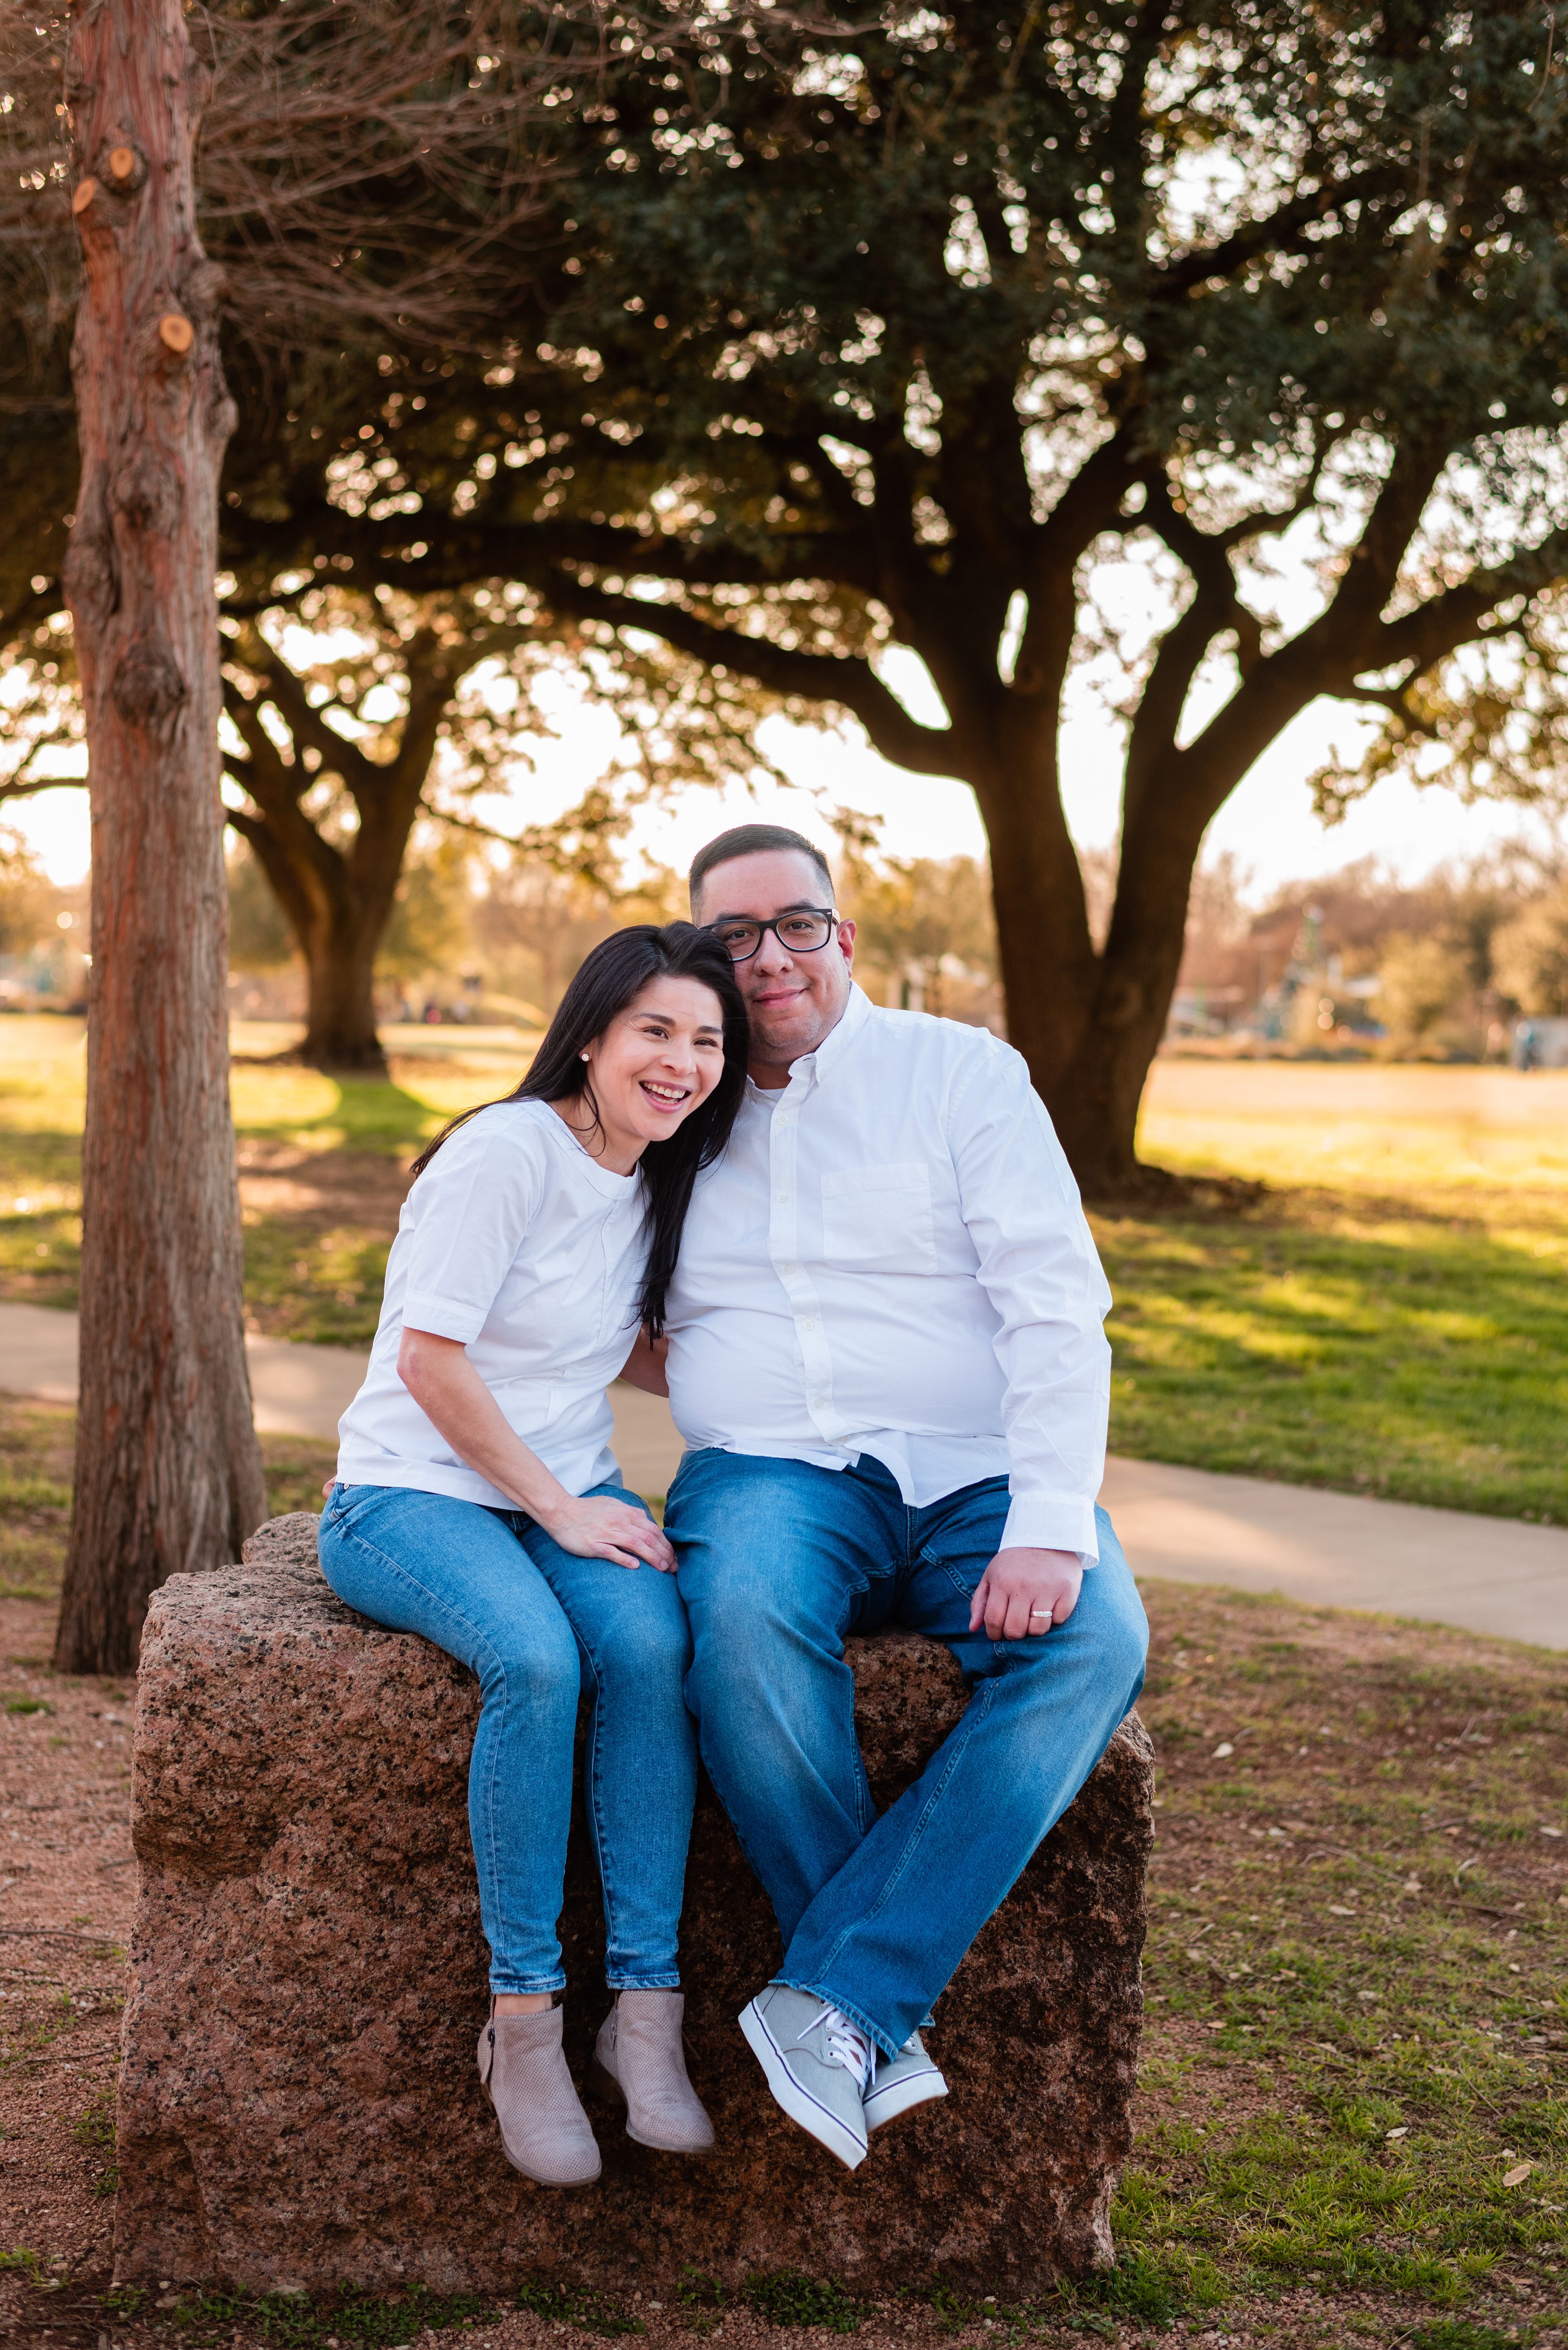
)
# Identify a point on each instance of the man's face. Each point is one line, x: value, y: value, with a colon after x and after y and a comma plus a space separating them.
x: 793, y: 1000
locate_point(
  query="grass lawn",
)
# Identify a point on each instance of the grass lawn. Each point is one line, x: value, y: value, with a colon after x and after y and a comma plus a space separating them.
x: 1358, y: 2041
x: 1351, y: 2124
x: 1391, y: 1316
x: 36, y: 1441
x: 322, y: 1162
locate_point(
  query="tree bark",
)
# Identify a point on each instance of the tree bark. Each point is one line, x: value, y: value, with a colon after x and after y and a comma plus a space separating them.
x: 1087, y: 1021
x: 1043, y: 946
x: 168, y: 1474
x: 340, y: 1001
x: 1093, y: 1099
x: 337, y: 928
x: 339, y: 920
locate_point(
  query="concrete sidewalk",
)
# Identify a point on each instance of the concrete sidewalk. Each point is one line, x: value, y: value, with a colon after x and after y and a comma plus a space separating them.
x: 296, y: 1390
x: 1336, y: 1550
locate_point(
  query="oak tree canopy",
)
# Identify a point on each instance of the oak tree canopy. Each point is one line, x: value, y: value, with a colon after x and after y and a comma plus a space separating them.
x: 919, y: 330
x: 830, y: 330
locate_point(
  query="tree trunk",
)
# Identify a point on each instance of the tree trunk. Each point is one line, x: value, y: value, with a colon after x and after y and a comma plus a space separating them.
x: 1048, y: 967
x: 168, y: 1474
x: 1096, y: 1099
x: 1088, y: 1024
x: 340, y: 1015
x: 1094, y: 1103
x: 339, y: 924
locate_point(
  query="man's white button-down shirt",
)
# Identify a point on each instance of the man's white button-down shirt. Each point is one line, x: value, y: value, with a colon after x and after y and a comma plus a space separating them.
x: 890, y: 1258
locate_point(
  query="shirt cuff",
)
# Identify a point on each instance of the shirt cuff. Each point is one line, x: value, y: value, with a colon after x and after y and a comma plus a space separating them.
x: 1051, y: 1522
x: 443, y: 1317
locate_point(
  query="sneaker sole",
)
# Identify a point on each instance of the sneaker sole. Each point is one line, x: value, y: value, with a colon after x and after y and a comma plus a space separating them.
x: 817, y: 2120
x: 915, y: 2089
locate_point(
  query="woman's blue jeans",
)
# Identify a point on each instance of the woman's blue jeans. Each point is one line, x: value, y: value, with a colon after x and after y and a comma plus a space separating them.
x: 779, y: 1561
x: 537, y: 1626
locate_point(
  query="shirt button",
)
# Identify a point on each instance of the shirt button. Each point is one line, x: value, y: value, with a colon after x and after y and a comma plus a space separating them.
x: 782, y: 1197
x: 808, y: 1325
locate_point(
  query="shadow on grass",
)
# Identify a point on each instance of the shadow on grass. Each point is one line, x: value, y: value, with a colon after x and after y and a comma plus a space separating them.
x: 35, y: 1448
x: 1376, y: 1350
x: 366, y: 1114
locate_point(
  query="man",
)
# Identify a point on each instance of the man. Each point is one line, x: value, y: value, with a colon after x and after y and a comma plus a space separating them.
x: 887, y: 1360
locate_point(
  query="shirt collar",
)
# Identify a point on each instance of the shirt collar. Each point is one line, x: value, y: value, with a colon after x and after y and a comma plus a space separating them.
x: 810, y: 1066
x: 856, y: 1012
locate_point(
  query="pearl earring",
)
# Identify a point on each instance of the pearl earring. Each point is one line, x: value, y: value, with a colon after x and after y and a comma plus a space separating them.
x: 582, y: 1056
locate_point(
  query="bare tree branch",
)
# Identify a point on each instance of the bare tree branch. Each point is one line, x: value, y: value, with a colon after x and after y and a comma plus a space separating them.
x: 365, y: 168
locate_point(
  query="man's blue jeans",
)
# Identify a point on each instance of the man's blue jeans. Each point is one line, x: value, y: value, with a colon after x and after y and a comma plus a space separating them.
x: 538, y: 1625
x: 779, y: 1561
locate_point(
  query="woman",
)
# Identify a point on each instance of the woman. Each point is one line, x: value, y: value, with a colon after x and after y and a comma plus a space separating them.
x: 478, y: 1504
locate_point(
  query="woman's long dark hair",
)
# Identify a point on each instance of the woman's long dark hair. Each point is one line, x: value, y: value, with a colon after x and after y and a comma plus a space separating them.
x: 604, y: 982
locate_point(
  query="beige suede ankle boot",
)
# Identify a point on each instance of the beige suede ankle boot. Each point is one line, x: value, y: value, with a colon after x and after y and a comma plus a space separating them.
x: 639, y: 2059
x: 543, y: 2128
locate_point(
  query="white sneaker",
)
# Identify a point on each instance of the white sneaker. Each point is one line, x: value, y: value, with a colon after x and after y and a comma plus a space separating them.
x: 818, y: 2064
x: 908, y: 2079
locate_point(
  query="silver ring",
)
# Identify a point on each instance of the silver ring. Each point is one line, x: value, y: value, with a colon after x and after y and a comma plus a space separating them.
x: 1039, y: 1611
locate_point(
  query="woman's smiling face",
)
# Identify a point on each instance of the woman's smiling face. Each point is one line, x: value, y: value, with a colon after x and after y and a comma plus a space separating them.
x: 651, y: 1067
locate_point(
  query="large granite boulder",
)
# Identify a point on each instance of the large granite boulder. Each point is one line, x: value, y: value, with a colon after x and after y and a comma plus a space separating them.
x: 299, y: 2107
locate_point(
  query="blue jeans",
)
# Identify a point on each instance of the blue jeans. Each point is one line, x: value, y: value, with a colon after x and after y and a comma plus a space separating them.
x: 536, y: 1626
x: 779, y: 1561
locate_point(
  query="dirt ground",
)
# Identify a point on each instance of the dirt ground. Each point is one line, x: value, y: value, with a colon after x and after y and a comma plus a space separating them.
x: 1386, y: 1804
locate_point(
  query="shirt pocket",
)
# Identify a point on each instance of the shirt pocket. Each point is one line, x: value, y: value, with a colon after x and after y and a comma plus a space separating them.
x: 878, y: 1218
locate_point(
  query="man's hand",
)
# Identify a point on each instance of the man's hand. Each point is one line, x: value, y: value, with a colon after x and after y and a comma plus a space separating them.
x: 1024, y: 1591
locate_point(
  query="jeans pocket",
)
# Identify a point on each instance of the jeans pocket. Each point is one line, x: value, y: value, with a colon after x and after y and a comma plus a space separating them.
x: 343, y: 1501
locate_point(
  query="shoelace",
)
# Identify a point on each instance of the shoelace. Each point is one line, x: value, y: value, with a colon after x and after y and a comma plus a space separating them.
x: 847, y: 2043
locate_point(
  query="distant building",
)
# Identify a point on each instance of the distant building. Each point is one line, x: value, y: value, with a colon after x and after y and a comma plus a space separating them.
x: 50, y: 977
x: 1540, y: 1044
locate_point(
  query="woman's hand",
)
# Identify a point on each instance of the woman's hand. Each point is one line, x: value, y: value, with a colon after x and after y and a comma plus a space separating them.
x: 441, y: 1380
x: 612, y: 1530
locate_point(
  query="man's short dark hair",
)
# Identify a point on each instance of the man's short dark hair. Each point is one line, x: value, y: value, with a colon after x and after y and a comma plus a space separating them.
x: 747, y: 840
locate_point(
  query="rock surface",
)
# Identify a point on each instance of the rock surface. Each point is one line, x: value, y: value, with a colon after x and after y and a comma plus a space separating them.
x: 299, y: 2106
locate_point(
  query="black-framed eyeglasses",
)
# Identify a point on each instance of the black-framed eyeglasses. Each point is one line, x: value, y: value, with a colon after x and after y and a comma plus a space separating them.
x: 803, y: 930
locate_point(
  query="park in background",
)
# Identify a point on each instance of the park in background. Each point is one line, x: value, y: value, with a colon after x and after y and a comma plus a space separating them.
x: 1004, y: 331
x: 773, y: 342
x: 1386, y: 1314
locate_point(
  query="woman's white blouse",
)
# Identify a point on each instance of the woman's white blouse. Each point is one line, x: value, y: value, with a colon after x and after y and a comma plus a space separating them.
x: 514, y: 1242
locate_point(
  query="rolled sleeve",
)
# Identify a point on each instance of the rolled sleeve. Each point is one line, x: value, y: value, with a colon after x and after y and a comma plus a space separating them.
x: 443, y: 1317
x: 1039, y: 1267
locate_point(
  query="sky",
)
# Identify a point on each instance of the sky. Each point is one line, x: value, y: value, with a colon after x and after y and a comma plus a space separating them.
x: 1268, y: 823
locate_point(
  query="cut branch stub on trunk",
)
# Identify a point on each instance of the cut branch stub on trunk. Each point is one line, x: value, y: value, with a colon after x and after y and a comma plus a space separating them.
x: 168, y: 1473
